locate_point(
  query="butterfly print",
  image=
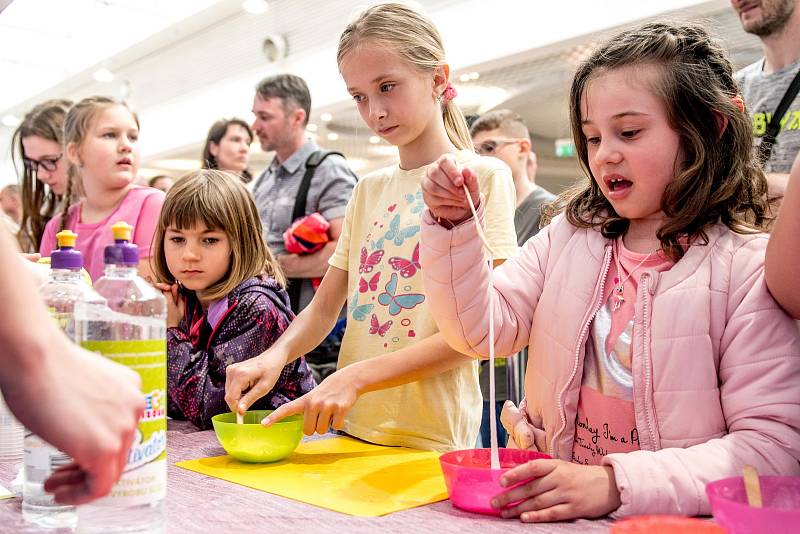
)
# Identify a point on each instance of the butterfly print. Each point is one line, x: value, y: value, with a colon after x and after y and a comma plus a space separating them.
x: 365, y: 285
x: 407, y: 268
x: 398, y: 303
x: 368, y: 262
x: 375, y: 327
x: 357, y: 311
x: 396, y: 234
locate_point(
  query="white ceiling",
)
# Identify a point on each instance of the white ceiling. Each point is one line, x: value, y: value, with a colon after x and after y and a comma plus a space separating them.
x: 193, y: 61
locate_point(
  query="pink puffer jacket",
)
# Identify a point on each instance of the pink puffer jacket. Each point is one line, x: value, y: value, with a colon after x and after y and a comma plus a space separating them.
x: 716, y: 362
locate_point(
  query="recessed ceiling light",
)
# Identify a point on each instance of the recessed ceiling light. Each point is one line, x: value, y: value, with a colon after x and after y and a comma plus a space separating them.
x: 464, y: 77
x: 256, y: 7
x: 474, y: 75
x: 10, y: 120
x: 311, y: 127
x: 333, y: 136
x: 103, y: 75
x: 326, y: 117
x: 374, y: 139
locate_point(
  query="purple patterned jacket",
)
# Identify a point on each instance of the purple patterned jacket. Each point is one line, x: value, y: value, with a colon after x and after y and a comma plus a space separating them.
x: 233, y: 329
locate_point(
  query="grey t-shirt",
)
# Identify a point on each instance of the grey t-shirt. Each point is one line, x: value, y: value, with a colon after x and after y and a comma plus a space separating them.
x: 276, y: 189
x: 526, y: 223
x: 762, y: 93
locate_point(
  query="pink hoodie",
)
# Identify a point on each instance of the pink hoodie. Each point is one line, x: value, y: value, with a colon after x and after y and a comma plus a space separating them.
x: 716, y: 362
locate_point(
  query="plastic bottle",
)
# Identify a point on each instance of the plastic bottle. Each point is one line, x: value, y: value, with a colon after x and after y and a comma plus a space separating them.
x: 64, y: 289
x: 133, y: 333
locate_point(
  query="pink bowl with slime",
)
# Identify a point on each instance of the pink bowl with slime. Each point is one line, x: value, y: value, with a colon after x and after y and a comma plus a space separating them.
x: 780, y: 512
x: 471, y: 483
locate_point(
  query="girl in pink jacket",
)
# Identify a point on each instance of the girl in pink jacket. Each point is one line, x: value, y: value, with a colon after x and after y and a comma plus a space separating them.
x: 658, y: 361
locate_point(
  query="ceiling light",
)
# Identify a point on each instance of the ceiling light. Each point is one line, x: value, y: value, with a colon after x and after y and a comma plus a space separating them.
x: 333, y: 136
x: 474, y: 75
x: 103, y: 75
x: 255, y: 7
x: 10, y: 120
x: 464, y: 77
x: 374, y: 139
x: 311, y: 127
x: 326, y: 117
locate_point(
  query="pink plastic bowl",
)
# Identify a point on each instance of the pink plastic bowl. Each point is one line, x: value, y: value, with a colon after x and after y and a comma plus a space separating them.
x: 471, y: 483
x: 781, y: 511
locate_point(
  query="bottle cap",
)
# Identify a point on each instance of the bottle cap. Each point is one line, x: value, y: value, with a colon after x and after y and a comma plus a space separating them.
x: 122, y: 252
x: 66, y: 256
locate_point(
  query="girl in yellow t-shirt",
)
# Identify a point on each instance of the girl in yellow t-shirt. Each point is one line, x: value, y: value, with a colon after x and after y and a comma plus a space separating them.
x: 417, y: 391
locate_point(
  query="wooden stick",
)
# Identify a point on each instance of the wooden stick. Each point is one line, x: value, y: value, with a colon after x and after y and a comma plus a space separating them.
x: 751, y: 486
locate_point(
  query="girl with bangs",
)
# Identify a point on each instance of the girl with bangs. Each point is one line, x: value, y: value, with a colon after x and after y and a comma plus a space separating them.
x: 225, y: 293
x: 658, y: 360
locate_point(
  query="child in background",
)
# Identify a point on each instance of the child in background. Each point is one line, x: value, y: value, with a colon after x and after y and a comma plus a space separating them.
x: 221, y: 310
x: 38, y: 142
x: 101, y: 139
x: 783, y: 252
x: 392, y: 61
x: 659, y: 361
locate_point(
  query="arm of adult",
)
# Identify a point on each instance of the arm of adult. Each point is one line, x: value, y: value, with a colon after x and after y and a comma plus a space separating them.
x: 313, y: 265
x: 248, y: 381
x: 327, y: 404
x: 85, y: 405
x: 783, y: 251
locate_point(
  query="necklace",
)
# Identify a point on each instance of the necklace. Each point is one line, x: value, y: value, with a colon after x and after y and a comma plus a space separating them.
x: 619, y: 283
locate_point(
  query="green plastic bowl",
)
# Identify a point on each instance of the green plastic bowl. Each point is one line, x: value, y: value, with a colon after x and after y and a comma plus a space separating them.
x: 252, y: 442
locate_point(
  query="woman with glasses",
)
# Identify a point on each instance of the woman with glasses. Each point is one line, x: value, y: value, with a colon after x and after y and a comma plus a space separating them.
x: 38, y: 143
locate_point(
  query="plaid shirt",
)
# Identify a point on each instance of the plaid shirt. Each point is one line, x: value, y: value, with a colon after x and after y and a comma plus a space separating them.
x: 240, y: 326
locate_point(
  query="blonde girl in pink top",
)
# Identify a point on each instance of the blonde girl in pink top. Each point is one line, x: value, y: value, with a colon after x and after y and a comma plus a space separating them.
x: 658, y: 359
x: 101, y: 139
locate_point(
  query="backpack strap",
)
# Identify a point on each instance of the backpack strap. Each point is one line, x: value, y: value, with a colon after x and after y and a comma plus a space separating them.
x: 314, y: 160
x: 774, y: 126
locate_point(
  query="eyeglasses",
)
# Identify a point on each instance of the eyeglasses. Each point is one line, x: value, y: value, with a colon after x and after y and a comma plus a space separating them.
x: 489, y: 147
x: 49, y: 164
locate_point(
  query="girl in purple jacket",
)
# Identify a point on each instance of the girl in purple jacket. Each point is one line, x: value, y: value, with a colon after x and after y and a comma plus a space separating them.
x: 225, y: 294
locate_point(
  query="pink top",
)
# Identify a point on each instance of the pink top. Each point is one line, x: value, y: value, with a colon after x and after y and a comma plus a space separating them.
x: 606, y: 422
x: 140, y: 208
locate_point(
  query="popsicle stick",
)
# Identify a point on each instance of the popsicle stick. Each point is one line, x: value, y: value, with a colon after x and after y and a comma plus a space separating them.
x: 751, y: 486
x: 495, y: 455
x: 239, y: 419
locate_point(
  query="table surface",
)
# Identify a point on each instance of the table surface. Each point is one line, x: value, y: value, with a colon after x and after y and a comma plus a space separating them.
x: 199, y: 503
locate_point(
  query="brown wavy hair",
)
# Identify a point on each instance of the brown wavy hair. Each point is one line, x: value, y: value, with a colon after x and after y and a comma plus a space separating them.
x: 39, y: 203
x: 219, y: 200
x: 719, y: 180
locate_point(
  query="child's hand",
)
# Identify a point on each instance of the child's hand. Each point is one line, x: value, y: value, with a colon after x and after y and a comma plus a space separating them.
x: 324, y: 406
x: 248, y: 381
x: 561, y: 491
x: 175, y: 303
x: 522, y: 434
x: 443, y: 191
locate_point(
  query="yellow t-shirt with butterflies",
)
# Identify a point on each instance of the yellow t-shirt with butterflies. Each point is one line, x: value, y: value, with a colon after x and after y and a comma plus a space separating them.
x: 387, y: 308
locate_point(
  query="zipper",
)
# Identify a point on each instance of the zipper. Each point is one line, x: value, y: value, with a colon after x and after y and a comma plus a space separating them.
x: 647, y: 360
x: 581, y: 340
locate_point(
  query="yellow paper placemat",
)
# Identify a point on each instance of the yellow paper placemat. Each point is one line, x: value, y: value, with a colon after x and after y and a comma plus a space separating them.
x: 341, y: 474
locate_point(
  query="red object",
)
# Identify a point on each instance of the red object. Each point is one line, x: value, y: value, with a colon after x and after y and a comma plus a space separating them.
x: 306, y: 235
x: 666, y: 524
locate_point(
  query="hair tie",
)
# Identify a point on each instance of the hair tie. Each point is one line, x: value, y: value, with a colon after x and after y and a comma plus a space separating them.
x: 738, y: 102
x: 449, y: 93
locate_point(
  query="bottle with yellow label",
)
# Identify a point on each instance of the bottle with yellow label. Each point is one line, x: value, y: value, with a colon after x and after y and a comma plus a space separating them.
x: 131, y: 332
x: 64, y: 289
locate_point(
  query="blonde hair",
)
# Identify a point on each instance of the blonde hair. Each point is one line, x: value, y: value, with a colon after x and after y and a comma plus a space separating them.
x: 219, y: 200
x: 76, y: 125
x: 414, y: 37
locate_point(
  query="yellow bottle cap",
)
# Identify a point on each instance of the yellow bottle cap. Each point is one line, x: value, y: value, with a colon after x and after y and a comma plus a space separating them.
x: 66, y: 238
x: 122, y: 231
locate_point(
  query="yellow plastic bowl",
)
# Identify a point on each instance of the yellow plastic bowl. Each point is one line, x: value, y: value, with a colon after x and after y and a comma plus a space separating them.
x: 252, y: 442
